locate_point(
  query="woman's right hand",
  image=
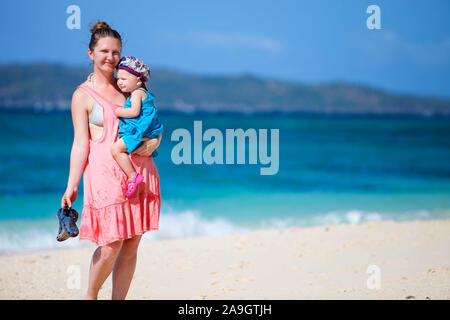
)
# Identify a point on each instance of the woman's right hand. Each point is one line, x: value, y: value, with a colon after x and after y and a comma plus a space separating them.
x: 69, y: 197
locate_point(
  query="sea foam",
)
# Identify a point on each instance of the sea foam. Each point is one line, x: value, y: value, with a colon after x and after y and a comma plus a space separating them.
x: 34, y: 235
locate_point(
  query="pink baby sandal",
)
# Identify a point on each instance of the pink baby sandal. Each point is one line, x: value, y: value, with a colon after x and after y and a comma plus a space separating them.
x: 133, y: 184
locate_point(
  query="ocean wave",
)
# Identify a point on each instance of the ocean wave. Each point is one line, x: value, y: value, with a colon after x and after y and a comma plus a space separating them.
x: 35, y: 235
x: 31, y: 235
x: 353, y: 217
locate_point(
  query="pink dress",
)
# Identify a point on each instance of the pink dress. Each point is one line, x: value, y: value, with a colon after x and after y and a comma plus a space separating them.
x: 107, y: 215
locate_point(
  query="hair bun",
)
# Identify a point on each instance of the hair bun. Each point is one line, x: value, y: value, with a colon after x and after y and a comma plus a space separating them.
x: 100, y: 25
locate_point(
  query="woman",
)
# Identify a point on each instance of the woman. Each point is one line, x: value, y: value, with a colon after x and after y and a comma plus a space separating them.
x: 114, y: 223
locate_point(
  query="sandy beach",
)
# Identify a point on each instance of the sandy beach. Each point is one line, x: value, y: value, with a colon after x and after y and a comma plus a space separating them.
x: 377, y: 260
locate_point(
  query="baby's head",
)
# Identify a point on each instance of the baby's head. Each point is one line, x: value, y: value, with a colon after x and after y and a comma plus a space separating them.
x: 132, y: 73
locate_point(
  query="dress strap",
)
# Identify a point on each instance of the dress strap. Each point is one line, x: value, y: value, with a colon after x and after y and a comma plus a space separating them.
x: 91, y: 91
x: 143, y: 90
x: 149, y: 94
x: 97, y: 97
x: 91, y: 79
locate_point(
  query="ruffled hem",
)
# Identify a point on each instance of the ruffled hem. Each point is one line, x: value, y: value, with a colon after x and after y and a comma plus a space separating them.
x: 120, y: 221
x: 114, y: 240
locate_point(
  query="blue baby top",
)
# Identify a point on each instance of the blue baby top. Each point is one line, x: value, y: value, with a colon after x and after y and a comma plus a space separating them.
x: 146, y: 124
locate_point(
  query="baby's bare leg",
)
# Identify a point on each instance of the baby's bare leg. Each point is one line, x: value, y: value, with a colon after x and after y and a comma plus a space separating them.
x: 119, y: 153
x: 148, y: 146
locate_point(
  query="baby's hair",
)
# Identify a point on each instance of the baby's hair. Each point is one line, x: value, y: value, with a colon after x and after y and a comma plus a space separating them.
x: 102, y: 30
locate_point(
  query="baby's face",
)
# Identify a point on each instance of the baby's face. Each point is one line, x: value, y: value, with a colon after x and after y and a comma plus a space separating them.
x: 126, y: 81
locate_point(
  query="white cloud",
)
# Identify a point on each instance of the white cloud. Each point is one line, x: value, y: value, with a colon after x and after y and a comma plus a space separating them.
x: 384, y: 46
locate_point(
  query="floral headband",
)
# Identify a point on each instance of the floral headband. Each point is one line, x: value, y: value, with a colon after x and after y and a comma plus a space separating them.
x: 134, y: 66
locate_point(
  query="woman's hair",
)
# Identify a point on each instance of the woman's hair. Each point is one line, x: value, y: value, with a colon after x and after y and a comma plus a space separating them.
x: 102, y: 30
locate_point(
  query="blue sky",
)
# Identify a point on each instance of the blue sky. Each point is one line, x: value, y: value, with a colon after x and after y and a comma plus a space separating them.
x: 313, y: 41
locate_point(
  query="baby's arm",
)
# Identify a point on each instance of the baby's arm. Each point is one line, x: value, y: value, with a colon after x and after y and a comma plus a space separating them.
x: 136, y: 101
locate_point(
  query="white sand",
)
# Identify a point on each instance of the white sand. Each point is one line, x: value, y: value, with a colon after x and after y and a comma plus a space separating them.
x: 327, y: 262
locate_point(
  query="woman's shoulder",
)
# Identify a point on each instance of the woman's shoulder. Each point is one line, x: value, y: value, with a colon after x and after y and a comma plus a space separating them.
x: 80, y: 91
x: 80, y: 96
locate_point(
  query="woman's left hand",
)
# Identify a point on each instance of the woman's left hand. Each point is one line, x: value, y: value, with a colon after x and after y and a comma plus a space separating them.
x: 148, y: 146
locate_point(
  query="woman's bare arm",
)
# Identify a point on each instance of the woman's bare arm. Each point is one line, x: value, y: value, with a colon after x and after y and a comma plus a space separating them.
x: 80, y: 146
x: 148, y: 146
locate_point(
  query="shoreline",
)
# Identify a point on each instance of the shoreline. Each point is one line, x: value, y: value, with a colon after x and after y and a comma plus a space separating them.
x: 84, y: 244
x: 373, y: 260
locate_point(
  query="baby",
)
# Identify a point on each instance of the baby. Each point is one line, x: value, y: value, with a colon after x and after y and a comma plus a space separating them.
x: 138, y: 117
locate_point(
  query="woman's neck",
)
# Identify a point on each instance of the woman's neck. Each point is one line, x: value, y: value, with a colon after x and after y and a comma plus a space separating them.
x: 103, y: 78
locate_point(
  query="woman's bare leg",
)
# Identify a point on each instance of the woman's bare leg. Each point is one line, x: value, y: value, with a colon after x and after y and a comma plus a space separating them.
x: 124, y: 268
x: 101, y: 266
x: 119, y: 153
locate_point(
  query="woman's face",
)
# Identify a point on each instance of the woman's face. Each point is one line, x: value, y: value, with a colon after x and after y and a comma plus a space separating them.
x: 106, y: 54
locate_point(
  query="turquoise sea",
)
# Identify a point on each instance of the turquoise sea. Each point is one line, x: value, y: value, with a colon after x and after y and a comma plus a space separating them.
x: 331, y: 170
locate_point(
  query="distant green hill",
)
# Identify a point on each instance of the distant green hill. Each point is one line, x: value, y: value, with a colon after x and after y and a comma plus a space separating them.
x: 50, y: 86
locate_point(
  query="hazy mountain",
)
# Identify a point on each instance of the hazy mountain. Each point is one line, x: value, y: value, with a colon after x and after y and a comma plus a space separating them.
x: 50, y: 86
